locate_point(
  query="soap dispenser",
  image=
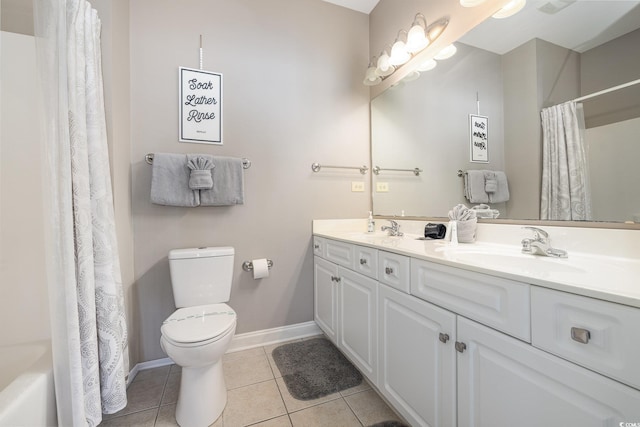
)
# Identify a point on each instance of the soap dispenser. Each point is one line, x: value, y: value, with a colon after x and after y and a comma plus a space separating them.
x: 371, y: 224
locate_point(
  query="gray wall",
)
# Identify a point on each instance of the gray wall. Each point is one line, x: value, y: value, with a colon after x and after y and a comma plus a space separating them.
x: 293, y: 95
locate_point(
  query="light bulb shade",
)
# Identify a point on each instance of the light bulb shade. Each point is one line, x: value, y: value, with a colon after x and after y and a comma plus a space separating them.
x: 383, y: 67
x: 509, y: 9
x: 370, y: 77
x: 427, y: 65
x: 434, y: 30
x: 416, y: 39
x: 411, y: 76
x: 399, y: 54
x: 471, y: 3
x: 446, y: 53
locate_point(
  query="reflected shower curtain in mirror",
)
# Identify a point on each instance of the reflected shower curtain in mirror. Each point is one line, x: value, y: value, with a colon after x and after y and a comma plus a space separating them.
x: 88, y: 325
x: 565, y: 181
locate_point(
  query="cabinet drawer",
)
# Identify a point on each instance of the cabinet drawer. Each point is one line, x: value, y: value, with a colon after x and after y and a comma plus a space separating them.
x: 394, y: 270
x: 605, y: 337
x: 496, y: 302
x: 339, y: 252
x: 318, y: 246
x: 366, y: 261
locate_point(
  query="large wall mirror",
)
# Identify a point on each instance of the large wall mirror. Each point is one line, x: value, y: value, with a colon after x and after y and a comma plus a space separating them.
x: 508, y: 70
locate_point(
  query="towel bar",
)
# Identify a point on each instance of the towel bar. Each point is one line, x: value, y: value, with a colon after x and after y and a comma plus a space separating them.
x: 378, y: 169
x: 317, y: 166
x: 248, y: 265
x: 461, y: 173
x: 246, y: 163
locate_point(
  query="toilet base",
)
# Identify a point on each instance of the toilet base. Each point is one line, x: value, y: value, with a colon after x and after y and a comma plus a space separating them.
x: 202, y: 397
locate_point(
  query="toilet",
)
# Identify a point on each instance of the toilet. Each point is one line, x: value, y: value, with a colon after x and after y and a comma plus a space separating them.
x: 199, y: 332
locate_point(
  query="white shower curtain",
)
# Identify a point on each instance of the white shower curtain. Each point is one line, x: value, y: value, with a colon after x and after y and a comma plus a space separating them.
x: 565, y: 180
x: 89, y: 332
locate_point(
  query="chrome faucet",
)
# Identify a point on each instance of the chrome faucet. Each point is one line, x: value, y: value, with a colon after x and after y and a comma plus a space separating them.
x: 540, y: 244
x: 394, y: 228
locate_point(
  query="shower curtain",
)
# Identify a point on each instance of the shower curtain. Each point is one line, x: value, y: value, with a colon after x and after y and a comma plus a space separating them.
x: 88, y: 325
x: 565, y: 181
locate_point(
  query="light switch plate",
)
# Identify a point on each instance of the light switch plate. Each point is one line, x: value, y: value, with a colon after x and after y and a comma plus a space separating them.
x: 382, y: 187
x: 357, y: 186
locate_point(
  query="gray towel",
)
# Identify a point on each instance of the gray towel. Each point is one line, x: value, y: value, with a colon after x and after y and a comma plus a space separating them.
x: 474, y: 187
x: 502, y: 193
x: 490, y: 182
x: 228, y: 183
x: 200, y: 177
x: 170, y: 181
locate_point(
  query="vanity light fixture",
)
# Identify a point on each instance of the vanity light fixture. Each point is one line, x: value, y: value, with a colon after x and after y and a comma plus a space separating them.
x: 416, y: 37
x: 510, y: 9
x: 471, y: 3
x: 370, y: 77
x: 411, y: 76
x: 427, y: 65
x: 383, y: 66
x: 434, y: 30
x: 446, y: 53
x: 399, y: 54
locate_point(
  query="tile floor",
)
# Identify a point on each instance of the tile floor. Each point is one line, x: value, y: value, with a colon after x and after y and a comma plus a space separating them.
x: 257, y: 396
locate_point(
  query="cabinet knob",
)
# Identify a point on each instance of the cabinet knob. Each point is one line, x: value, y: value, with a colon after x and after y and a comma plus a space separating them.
x: 444, y: 337
x: 580, y: 335
x: 363, y: 261
x: 388, y: 270
x: 460, y: 346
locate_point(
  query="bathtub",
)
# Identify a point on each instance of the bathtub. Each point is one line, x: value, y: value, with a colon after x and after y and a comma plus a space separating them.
x: 27, y: 396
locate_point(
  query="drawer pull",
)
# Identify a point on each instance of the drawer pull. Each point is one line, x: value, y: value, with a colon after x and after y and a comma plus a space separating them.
x: 580, y: 335
x: 335, y: 279
x: 444, y: 337
x: 316, y: 246
x: 363, y: 261
x: 388, y: 270
x: 460, y: 346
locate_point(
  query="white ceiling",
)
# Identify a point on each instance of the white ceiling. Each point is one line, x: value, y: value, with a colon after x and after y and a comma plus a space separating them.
x: 364, y: 6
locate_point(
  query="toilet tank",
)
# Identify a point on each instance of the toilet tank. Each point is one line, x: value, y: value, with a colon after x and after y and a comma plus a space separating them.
x: 201, y: 276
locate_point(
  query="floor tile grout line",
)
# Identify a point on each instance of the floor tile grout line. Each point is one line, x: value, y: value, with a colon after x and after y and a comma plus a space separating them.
x: 353, y: 412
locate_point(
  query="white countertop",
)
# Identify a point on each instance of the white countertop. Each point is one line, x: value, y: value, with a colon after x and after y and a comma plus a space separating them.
x: 611, y: 278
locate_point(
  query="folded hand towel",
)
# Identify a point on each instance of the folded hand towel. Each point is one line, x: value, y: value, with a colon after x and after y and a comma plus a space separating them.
x: 228, y: 183
x: 461, y: 213
x: 200, y: 165
x: 490, y: 182
x: 170, y: 181
x: 502, y: 192
x: 474, y: 187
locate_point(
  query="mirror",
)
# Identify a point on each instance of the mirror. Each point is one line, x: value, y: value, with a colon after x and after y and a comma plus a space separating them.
x: 507, y: 71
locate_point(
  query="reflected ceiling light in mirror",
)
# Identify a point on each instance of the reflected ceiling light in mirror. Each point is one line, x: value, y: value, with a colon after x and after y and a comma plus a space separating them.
x: 383, y: 66
x: 446, y: 53
x: 370, y: 77
x: 510, y: 9
x: 471, y: 3
x: 416, y: 37
x: 434, y: 30
x: 399, y: 54
x: 427, y: 65
x: 411, y: 76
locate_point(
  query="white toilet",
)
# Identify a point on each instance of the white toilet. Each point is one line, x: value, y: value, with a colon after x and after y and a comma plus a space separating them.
x: 199, y: 332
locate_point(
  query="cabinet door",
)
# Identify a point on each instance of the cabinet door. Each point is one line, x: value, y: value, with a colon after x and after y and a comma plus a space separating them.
x: 417, y: 358
x: 505, y: 382
x: 358, y: 298
x: 325, y: 297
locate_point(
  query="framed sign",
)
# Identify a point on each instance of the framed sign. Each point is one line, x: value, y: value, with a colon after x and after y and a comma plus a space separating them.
x: 200, y: 106
x: 479, y: 138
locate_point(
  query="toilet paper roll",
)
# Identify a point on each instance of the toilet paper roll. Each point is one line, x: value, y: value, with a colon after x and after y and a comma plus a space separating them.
x: 260, y: 268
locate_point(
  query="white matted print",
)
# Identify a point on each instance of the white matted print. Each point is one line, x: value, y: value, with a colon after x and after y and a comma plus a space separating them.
x: 479, y: 138
x: 200, y: 106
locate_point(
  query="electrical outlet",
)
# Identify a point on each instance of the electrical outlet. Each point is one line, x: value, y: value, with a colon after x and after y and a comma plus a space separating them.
x: 357, y: 186
x: 382, y: 187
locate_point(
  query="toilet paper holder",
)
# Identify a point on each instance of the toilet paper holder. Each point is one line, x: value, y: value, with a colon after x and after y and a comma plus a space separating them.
x: 248, y: 265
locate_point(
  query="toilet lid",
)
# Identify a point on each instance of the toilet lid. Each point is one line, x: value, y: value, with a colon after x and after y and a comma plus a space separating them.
x: 201, y: 323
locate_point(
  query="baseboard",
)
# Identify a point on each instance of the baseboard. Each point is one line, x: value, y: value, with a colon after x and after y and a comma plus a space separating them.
x: 273, y: 336
x: 244, y: 342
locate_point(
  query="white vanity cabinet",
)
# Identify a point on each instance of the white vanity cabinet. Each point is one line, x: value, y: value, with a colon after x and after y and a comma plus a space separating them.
x: 505, y: 382
x: 346, y: 300
x: 417, y: 359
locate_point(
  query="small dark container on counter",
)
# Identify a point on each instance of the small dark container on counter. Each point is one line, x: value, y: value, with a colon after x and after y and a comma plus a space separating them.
x: 435, y: 231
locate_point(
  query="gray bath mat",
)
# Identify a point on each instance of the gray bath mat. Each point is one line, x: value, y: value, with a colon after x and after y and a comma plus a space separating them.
x: 314, y: 368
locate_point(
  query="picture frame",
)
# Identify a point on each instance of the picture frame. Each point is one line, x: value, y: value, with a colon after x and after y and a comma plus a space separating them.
x: 200, y: 109
x: 478, y: 138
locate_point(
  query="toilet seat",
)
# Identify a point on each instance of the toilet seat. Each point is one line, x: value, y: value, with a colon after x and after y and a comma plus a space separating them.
x: 200, y: 325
